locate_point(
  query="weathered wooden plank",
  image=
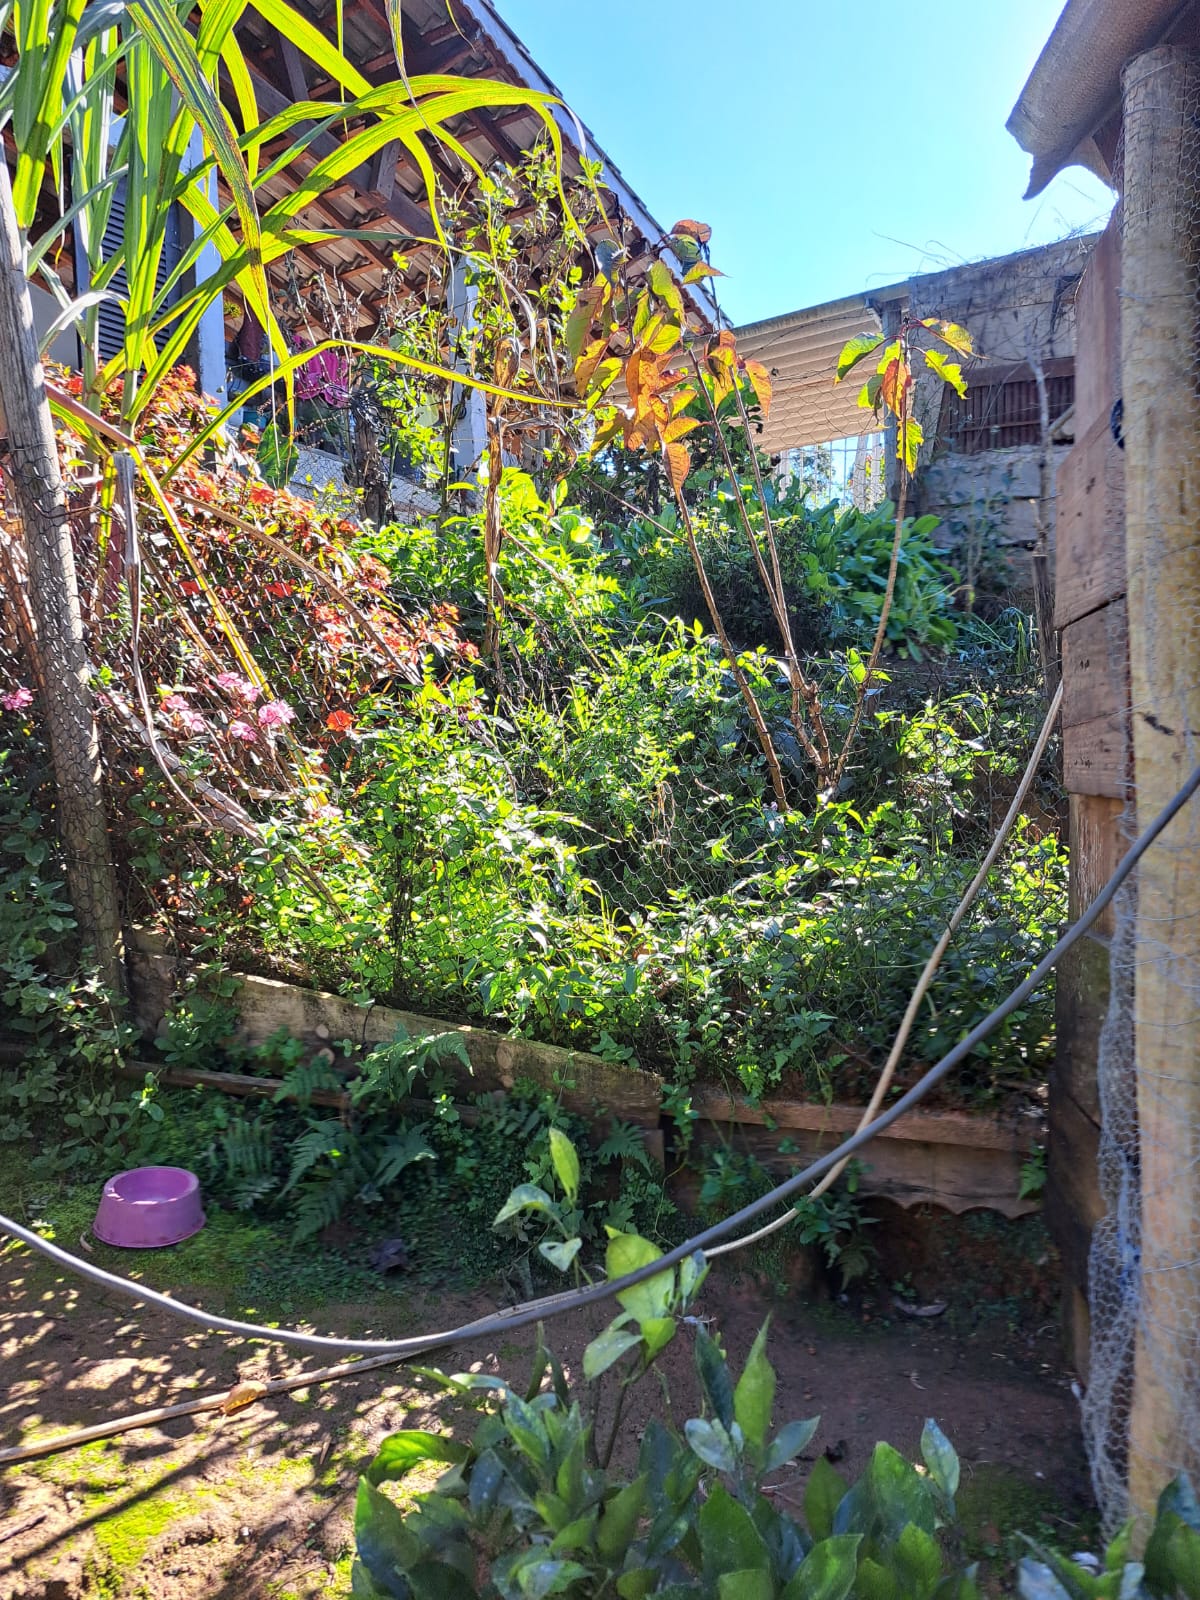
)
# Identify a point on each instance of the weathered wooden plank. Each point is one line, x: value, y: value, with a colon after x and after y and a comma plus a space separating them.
x: 963, y: 1128
x: 1089, y: 525
x: 1073, y: 1202
x: 1098, y: 840
x: 1098, y: 332
x: 1096, y: 758
x: 910, y: 1171
x: 1095, y: 664
x: 1080, y: 1006
x: 585, y: 1083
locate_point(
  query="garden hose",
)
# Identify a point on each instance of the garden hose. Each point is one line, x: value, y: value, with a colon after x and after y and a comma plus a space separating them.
x: 534, y: 1311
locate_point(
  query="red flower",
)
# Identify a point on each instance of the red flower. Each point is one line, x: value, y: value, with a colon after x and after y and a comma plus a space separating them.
x: 339, y: 722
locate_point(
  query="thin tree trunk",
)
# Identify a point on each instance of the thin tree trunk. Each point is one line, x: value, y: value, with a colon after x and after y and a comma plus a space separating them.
x: 54, y: 601
x: 1160, y: 327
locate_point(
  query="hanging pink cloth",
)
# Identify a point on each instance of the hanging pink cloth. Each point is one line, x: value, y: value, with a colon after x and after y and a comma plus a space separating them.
x: 325, y: 376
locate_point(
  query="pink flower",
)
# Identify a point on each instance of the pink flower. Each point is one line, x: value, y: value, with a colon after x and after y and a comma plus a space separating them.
x: 275, y: 714
x: 240, y: 688
x: 192, y: 722
x: 242, y: 730
x: 17, y: 699
x: 175, y: 702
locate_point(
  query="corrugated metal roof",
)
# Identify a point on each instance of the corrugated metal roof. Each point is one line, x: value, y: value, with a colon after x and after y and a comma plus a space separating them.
x: 800, y: 350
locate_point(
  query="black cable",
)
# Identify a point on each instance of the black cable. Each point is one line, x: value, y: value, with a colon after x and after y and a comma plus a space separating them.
x: 521, y: 1316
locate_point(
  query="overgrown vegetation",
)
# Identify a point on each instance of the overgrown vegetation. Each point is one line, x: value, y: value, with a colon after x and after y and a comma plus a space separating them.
x: 532, y: 1505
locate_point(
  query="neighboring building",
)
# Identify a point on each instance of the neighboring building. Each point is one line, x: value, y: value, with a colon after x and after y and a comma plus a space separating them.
x: 979, y: 466
x: 464, y: 38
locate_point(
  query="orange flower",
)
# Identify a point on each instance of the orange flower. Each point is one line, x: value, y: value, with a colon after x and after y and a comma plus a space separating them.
x: 339, y: 722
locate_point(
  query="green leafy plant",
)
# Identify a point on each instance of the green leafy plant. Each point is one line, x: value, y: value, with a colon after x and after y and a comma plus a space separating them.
x: 58, y: 1021
x: 531, y: 1507
x: 1168, y: 1570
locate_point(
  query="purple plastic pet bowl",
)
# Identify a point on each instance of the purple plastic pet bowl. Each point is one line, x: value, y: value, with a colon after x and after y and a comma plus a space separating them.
x: 148, y: 1208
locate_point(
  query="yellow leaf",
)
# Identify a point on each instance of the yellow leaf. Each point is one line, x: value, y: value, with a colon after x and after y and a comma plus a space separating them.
x: 241, y: 1395
x: 701, y: 270
x: 760, y: 382
x: 896, y: 379
x: 679, y: 464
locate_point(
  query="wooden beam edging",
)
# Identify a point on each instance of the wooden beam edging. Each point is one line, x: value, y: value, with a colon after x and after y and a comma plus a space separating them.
x: 957, y: 1160
x: 584, y: 1083
x: 966, y: 1129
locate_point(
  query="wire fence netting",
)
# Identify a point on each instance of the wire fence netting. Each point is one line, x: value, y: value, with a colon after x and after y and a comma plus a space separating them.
x: 1141, y: 1410
x: 311, y: 774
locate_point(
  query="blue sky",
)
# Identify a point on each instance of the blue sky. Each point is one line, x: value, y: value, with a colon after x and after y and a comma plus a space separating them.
x: 833, y: 145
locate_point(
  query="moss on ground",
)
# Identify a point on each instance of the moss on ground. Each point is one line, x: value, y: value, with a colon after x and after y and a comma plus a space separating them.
x: 996, y: 1500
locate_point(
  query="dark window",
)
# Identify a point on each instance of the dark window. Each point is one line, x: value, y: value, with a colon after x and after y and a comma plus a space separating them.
x: 998, y: 412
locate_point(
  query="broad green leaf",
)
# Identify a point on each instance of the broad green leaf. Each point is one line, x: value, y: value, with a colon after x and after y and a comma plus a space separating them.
x: 823, y: 1494
x: 693, y: 1270
x: 486, y: 1477
x: 437, y: 1580
x: 856, y: 350
x: 949, y: 371
x: 868, y: 397
x: 729, y: 1541
x: 789, y: 1442
x: 827, y: 1571
x: 525, y: 1197
x: 664, y: 286
x: 887, y: 1497
x: 1178, y: 1499
x: 539, y: 1577
x: 576, y: 1534
x: 875, y: 1582
x: 751, y: 1584
x: 385, y: 1545
x: 715, y: 1381
x: 637, y: 1584
x: 657, y: 1333
x: 401, y: 1452
x: 620, y: 1518
x: 918, y: 1560
x: 940, y: 1457
x: 560, y: 1252
x: 754, y: 1395
x: 626, y: 1253
x: 607, y: 1348
x: 566, y: 1163
x: 711, y: 1442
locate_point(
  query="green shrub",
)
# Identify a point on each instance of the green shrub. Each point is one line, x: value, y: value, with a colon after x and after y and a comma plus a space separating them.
x: 834, y: 562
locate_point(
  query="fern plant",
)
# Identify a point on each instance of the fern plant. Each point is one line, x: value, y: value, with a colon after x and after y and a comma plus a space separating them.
x: 333, y: 1165
x: 388, y: 1073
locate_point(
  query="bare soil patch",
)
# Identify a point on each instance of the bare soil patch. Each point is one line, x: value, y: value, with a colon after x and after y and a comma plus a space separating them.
x: 259, y: 1503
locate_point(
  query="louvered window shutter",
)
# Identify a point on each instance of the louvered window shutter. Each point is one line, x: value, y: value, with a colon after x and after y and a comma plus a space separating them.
x: 110, y: 317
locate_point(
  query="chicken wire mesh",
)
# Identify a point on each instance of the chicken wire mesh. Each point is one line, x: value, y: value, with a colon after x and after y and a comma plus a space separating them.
x: 1141, y: 1410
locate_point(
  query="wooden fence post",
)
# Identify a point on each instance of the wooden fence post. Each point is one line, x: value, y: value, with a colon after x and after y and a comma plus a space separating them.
x: 1160, y: 355
x: 66, y: 700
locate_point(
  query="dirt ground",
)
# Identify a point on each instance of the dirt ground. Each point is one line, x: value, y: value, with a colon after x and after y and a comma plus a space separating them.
x: 259, y: 1503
